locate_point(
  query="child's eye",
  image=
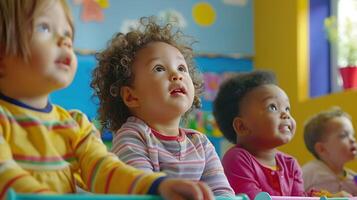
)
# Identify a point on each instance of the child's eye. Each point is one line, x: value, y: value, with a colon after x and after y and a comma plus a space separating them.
x: 272, y: 107
x: 159, y: 68
x: 287, y: 109
x: 182, y: 68
x: 43, y: 28
x: 344, y: 134
x: 68, y: 34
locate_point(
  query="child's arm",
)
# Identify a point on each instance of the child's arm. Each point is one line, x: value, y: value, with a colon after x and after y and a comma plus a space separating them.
x: 12, y: 175
x: 213, y: 173
x: 320, y: 193
x: 102, y: 171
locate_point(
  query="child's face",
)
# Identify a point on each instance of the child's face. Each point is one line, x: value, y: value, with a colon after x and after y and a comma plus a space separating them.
x: 339, y: 145
x: 52, y: 63
x: 162, y: 83
x: 265, y: 112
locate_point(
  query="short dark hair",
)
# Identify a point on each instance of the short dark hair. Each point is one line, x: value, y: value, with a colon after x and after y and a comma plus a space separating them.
x: 231, y: 92
x: 314, y: 128
x: 114, y: 68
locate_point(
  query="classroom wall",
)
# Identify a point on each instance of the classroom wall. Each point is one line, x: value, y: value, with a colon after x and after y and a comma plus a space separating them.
x: 281, y: 45
x: 219, y: 26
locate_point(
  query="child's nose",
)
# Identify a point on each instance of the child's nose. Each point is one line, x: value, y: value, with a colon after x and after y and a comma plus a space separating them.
x: 176, y: 77
x: 65, y: 41
x: 285, y: 115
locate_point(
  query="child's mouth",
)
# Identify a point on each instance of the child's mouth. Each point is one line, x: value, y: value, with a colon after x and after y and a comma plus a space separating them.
x: 66, y: 62
x: 285, y: 128
x: 354, y: 150
x: 178, y: 91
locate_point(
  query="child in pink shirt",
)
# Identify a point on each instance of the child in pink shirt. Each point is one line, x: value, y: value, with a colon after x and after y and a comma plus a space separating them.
x: 254, y: 113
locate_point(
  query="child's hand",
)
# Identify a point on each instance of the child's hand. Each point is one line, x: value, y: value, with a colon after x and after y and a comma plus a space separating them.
x: 320, y: 193
x: 184, y: 189
x: 342, y: 194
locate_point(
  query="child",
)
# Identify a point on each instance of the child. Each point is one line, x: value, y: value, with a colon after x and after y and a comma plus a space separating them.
x: 254, y: 113
x: 41, y: 144
x: 329, y: 136
x: 146, y: 82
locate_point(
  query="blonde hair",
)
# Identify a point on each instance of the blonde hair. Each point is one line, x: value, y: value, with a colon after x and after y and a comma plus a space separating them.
x: 16, y: 24
x: 314, y: 129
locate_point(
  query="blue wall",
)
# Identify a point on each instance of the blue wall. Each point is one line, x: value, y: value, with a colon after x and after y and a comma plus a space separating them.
x: 320, y: 81
x: 232, y: 31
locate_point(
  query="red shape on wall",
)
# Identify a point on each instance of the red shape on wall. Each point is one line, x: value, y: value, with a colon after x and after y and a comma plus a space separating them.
x: 92, y: 11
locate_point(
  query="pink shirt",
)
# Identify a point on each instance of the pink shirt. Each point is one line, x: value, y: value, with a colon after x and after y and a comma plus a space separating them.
x: 247, y: 175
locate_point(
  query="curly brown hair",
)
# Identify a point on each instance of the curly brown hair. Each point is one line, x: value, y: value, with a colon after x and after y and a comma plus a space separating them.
x: 114, y: 68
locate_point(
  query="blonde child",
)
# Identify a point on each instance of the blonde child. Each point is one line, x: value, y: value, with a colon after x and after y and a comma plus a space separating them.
x: 42, y: 145
x: 329, y: 136
x: 146, y: 82
x: 254, y: 114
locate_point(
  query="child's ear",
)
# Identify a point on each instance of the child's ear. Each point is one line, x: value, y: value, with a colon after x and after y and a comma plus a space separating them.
x: 239, y: 126
x: 128, y: 96
x: 319, y: 148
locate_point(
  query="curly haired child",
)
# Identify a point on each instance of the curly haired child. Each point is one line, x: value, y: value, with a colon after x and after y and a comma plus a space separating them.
x: 42, y: 145
x: 329, y: 136
x: 146, y: 82
x: 253, y: 113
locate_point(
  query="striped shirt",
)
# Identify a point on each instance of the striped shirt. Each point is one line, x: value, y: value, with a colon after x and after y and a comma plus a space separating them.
x: 189, y: 155
x: 41, y: 149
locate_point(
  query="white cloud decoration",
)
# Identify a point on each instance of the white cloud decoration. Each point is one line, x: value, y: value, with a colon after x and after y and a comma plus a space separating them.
x: 167, y: 16
x: 129, y: 25
x: 236, y: 2
x: 174, y: 17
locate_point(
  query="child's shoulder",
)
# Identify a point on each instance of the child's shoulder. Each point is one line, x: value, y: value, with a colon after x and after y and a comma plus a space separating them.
x: 135, y: 124
x: 75, y: 114
x: 286, y: 158
x: 78, y: 116
x: 285, y: 155
x: 191, y: 133
x: 196, y: 136
x: 313, y: 164
x: 237, y: 152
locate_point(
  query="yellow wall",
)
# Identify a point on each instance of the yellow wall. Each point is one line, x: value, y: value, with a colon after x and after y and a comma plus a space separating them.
x: 281, y: 45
